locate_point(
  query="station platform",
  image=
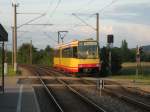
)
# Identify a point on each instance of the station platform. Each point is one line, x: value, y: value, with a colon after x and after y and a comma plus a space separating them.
x: 18, y: 98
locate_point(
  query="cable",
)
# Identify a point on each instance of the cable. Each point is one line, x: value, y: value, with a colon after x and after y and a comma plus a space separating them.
x: 31, y: 20
x: 84, y: 21
x: 52, y: 13
x: 57, y: 5
x: 50, y: 4
x: 87, y: 3
x: 113, y: 1
x: 102, y: 9
x: 49, y: 36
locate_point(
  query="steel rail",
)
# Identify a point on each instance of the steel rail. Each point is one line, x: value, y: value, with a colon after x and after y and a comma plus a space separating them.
x: 125, y: 98
x: 55, y: 101
x: 81, y: 96
x: 87, y: 100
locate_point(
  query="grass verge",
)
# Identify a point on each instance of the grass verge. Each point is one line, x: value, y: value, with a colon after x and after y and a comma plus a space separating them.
x: 10, y: 71
x: 128, y: 71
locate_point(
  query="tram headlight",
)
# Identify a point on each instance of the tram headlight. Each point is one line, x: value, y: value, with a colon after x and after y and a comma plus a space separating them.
x: 97, y: 65
x: 80, y: 65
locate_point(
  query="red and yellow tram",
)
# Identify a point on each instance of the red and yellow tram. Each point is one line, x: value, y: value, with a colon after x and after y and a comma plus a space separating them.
x: 78, y: 57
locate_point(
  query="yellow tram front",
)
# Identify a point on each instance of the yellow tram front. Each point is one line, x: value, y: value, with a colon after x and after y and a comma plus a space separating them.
x: 78, y: 57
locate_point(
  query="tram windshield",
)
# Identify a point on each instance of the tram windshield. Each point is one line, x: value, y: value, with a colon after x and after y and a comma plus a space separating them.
x: 88, y: 50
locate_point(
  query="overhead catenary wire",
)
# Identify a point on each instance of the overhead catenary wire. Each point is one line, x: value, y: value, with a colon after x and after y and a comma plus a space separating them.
x: 91, y: 15
x: 112, y: 2
x: 40, y: 24
x: 49, y: 6
x: 99, y: 11
x: 36, y: 18
x: 30, y: 13
x: 83, y: 6
x: 102, y: 9
x: 84, y: 21
x: 47, y: 35
x: 54, y: 10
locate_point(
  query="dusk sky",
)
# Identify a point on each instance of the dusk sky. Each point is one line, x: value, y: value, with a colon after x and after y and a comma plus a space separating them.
x: 126, y: 19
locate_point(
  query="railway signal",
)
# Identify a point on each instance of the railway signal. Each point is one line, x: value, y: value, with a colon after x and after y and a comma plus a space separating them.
x: 110, y: 40
x: 139, y: 51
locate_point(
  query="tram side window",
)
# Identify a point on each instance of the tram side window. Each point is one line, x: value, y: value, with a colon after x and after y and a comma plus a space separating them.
x: 75, y: 52
x: 67, y: 53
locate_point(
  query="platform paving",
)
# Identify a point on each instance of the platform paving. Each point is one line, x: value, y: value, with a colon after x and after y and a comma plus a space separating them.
x: 18, y: 98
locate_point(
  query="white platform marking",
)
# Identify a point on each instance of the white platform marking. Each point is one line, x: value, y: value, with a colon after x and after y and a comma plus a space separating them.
x: 36, y: 102
x: 19, y: 99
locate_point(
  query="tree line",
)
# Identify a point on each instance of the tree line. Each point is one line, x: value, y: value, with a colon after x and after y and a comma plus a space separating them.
x: 45, y: 56
x: 119, y: 55
x: 41, y: 57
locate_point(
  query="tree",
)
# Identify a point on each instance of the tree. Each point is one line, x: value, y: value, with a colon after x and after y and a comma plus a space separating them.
x: 132, y: 55
x: 104, y: 62
x: 24, y: 54
x: 116, y: 61
x: 125, y: 51
x: 9, y: 57
x: 46, y: 56
x: 0, y: 55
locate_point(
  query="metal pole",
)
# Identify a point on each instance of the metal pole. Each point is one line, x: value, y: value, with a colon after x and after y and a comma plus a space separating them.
x: 137, y: 61
x: 58, y: 37
x: 97, y: 25
x: 62, y: 40
x: 109, y: 60
x: 15, y: 37
x: 3, y: 58
x: 13, y: 46
x: 31, y: 52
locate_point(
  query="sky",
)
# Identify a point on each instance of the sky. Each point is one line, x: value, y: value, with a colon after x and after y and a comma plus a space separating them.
x: 125, y: 19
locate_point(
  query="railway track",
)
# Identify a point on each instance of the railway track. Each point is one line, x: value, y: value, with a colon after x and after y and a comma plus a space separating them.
x: 67, y: 87
x: 87, y: 105
x: 130, y: 97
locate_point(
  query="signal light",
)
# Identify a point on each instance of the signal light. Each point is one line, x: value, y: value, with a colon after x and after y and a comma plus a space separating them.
x: 110, y: 39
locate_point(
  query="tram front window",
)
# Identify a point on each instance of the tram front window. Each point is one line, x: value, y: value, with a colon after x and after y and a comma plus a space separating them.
x: 88, y: 50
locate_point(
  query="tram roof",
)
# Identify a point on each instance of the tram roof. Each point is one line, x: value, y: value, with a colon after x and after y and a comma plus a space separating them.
x: 71, y: 44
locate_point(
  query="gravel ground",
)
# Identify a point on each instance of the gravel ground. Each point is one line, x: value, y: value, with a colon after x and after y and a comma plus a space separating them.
x: 28, y: 81
x: 131, y: 94
x: 74, y: 81
x: 112, y: 104
x: 51, y: 81
x: 45, y: 102
x: 70, y: 102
